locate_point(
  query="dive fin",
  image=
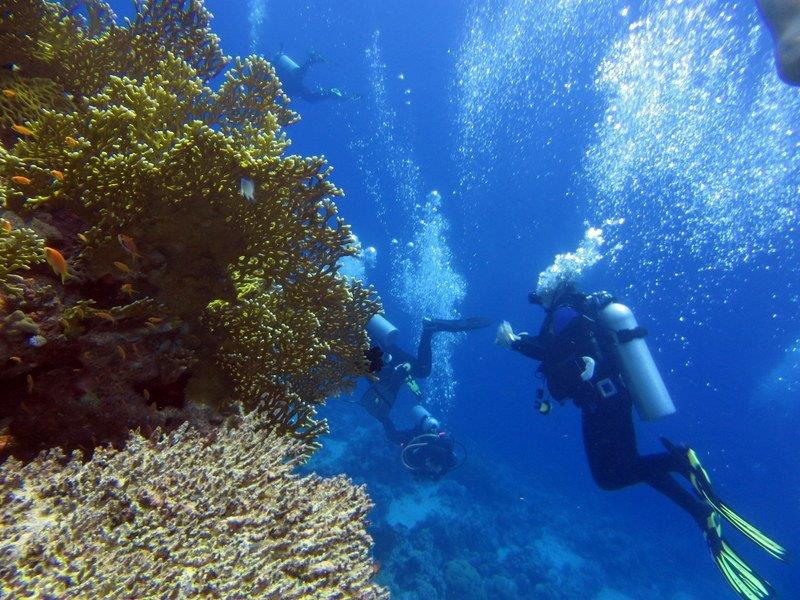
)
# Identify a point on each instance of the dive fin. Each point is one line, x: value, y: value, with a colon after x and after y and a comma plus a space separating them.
x: 701, y: 482
x: 456, y: 324
x: 746, y: 582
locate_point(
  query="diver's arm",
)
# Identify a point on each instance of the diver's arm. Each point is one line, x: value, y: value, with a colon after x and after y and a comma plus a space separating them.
x: 530, y: 346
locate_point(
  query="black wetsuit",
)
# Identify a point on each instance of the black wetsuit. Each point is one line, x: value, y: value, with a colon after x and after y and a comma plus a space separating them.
x: 571, y: 331
x: 293, y: 76
x: 381, y: 395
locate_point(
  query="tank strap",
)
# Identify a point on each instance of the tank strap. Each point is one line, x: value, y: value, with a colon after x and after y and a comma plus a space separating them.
x: 628, y: 335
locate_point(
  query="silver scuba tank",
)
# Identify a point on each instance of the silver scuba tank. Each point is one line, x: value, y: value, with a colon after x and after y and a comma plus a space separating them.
x: 285, y: 65
x: 424, y: 420
x: 639, y: 370
x: 382, y: 332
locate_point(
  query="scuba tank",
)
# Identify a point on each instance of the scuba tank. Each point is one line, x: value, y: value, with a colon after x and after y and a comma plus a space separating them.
x: 423, y: 420
x: 382, y: 331
x: 284, y: 65
x: 639, y: 370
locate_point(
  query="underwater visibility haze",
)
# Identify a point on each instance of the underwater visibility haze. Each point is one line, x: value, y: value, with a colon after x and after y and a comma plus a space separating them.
x: 198, y: 400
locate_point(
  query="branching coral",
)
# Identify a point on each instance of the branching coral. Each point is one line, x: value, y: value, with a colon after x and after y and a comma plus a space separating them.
x: 187, y: 516
x: 19, y: 249
x: 177, y: 287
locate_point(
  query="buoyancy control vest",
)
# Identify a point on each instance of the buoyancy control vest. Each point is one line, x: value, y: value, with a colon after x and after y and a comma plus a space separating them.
x: 571, y: 332
x: 606, y: 331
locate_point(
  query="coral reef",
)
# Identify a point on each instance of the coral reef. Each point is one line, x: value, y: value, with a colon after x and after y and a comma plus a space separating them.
x: 170, y: 292
x: 185, y: 516
x: 491, y: 531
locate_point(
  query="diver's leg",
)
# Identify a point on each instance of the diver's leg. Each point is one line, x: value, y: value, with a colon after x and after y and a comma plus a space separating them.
x: 782, y: 18
x: 609, y: 440
x: 421, y: 367
x: 668, y: 486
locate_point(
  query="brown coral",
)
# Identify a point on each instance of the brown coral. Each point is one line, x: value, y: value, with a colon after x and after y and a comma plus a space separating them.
x: 187, y: 516
x: 214, y: 297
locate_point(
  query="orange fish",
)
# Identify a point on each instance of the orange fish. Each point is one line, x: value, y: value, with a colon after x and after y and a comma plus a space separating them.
x: 57, y: 174
x: 6, y: 225
x: 127, y: 289
x: 105, y: 315
x: 9, y: 93
x: 146, y: 394
x: 155, y: 320
x: 83, y: 238
x: 20, y: 180
x: 16, y: 359
x: 22, y: 130
x: 71, y: 141
x: 57, y: 262
x: 122, y: 266
x: 121, y: 352
x: 30, y: 383
x: 129, y: 244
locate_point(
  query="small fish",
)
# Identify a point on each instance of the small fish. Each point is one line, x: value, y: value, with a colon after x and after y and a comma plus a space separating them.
x: 105, y: 315
x: 155, y: 320
x: 82, y: 237
x: 16, y: 359
x: 121, y: 351
x: 128, y: 244
x: 6, y: 225
x: 57, y: 174
x: 71, y: 141
x: 122, y: 266
x: 127, y: 288
x: 30, y: 383
x: 22, y: 130
x: 247, y: 188
x: 20, y: 180
x: 57, y: 262
x: 146, y: 394
x: 8, y: 93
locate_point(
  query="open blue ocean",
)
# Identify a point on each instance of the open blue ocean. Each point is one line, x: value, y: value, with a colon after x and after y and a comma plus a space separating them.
x: 477, y: 141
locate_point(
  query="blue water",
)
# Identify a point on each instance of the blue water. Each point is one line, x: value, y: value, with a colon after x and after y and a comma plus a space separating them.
x: 533, y: 120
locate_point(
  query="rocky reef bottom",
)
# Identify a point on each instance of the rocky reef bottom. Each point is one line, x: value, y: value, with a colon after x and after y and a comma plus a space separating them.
x: 488, y: 531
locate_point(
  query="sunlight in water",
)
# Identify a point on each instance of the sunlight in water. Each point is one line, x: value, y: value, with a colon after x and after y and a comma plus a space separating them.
x: 257, y: 10
x: 425, y: 282
x: 521, y: 78
x: 697, y: 148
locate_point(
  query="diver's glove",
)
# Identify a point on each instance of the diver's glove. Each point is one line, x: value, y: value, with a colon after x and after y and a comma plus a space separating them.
x: 505, y: 335
x: 588, y: 368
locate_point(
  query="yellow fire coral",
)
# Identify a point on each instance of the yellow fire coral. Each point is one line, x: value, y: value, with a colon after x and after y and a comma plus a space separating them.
x: 136, y: 173
x: 19, y: 249
x: 187, y: 516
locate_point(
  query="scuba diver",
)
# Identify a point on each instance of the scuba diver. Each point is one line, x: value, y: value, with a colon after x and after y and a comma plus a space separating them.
x: 782, y: 18
x: 292, y: 78
x: 592, y: 350
x: 428, y: 451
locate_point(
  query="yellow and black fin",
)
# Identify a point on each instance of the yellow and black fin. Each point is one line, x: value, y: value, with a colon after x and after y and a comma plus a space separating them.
x: 745, y: 582
x: 701, y: 482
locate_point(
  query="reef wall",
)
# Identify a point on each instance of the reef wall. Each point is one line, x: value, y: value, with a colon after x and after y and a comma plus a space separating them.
x: 165, y: 261
x: 192, y: 261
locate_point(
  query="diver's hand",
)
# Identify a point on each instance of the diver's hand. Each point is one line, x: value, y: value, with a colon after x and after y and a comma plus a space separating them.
x: 505, y: 335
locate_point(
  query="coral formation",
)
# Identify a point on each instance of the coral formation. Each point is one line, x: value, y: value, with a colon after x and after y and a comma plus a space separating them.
x: 169, y: 288
x: 185, y: 516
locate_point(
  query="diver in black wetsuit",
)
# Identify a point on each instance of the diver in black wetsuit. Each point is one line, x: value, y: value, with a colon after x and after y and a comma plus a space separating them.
x: 427, y: 451
x: 293, y: 76
x: 581, y: 360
